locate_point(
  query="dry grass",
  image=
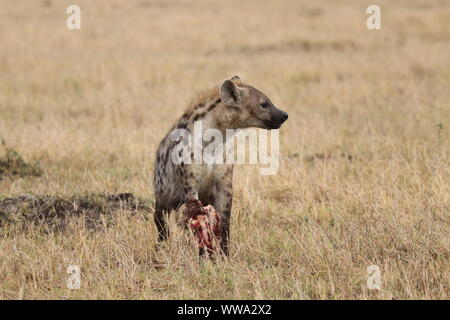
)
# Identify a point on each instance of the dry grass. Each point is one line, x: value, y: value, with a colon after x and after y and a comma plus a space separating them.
x: 364, y: 176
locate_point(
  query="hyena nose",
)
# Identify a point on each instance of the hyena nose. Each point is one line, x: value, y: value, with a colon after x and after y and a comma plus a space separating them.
x: 284, y: 115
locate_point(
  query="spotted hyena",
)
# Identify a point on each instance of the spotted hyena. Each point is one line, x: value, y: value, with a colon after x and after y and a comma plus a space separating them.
x: 232, y: 105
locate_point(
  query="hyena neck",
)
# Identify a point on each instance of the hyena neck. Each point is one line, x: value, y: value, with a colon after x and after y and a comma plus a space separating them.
x: 212, y: 113
x: 221, y: 118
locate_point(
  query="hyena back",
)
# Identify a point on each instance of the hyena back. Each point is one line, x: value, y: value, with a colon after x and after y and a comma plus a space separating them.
x: 232, y: 105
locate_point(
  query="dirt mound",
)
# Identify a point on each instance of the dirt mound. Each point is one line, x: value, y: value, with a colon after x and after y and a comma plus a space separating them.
x: 54, y: 211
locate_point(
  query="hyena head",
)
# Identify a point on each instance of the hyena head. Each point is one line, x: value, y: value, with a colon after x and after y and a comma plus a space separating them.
x: 250, y: 107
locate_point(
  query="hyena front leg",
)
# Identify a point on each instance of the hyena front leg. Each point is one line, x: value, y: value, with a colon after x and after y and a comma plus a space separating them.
x: 222, y: 203
x: 161, y: 223
x: 223, y: 199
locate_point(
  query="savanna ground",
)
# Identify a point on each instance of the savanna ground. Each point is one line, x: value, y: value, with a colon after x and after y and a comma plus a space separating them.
x: 364, y: 170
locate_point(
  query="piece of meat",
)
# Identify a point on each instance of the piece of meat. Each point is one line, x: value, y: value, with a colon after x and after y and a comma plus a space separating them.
x: 205, y: 224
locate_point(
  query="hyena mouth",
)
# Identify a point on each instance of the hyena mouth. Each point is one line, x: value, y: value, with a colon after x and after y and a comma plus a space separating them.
x: 272, y: 125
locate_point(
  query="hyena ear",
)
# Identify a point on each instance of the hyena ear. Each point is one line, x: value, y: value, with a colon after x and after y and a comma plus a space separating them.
x: 236, y: 79
x: 230, y: 94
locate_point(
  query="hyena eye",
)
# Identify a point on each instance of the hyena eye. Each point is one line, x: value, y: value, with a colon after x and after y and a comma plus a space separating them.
x: 264, y: 105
